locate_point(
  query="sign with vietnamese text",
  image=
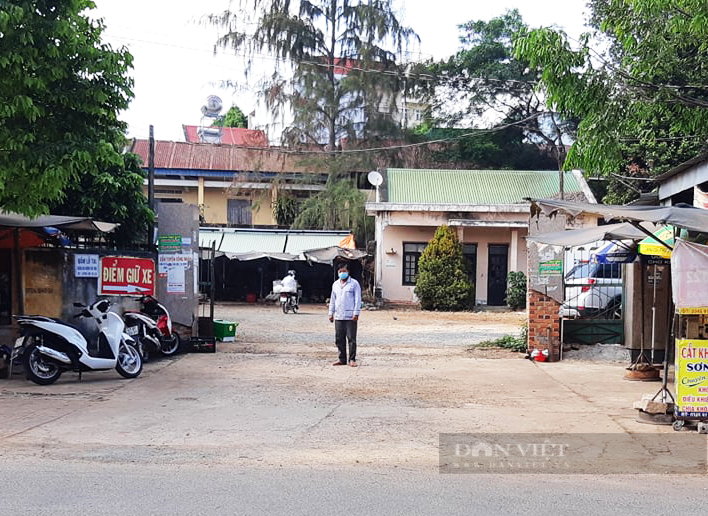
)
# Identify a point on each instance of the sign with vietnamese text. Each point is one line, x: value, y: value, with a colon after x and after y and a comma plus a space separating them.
x: 86, y: 265
x: 167, y: 262
x: 122, y: 275
x: 692, y: 378
x: 550, y: 268
x: 169, y: 243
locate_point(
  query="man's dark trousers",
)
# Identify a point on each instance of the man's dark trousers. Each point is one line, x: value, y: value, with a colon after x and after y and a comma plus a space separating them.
x: 345, y: 331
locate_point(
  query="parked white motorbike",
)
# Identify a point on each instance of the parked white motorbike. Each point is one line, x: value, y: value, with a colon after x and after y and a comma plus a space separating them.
x: 51, y: 346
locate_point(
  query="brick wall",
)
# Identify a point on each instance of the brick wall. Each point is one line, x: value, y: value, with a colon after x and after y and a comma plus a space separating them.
x: 544, y: 324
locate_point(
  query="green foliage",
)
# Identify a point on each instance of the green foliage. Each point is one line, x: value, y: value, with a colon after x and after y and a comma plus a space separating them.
x: 61, y: 90
x: 498, y: 150
x: 234, y: 118
x: 319, y: 39
x: 485, y: 77
x: 510, y: 342
x: 642, y: 100
x: 113, y: 193
x: 516, y: 290
x: 442, y: 281
x: 339, y: 206
x: 285, y: 209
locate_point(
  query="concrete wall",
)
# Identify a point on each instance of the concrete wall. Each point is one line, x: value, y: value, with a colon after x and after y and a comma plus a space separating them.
x: 394, y: 237
x: 180, y: 219
x: 216, y: 203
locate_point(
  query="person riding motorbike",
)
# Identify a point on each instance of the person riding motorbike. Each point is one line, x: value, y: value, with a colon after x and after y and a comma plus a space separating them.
x: 288, y: 292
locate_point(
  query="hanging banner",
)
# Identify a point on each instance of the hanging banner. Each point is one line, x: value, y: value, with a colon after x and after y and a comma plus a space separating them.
x: 689, y: 277
x: 126, y: 276
x: 691, y: 378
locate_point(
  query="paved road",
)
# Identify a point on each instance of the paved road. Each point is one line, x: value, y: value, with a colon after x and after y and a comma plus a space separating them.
x: 267, y: 426
x: 70, y: 489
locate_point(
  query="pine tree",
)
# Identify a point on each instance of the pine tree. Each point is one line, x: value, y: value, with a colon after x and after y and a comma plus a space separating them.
x: 342, y: 54
x: 442, y: 281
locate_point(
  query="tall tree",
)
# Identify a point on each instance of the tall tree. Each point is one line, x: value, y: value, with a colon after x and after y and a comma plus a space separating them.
x: 114, y: 193
x: 342, y: 55
x: 61, y: 89
x: 234, y: 118
x: 639, y: 83
x: 442, y: 280
x: 486, y: 81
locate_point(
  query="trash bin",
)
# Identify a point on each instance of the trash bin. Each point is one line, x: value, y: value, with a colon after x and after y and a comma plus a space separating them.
x: 225, y: 330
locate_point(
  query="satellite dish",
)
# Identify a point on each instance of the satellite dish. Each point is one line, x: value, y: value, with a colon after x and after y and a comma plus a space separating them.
x: 375, y: 178
x: 213, y: 106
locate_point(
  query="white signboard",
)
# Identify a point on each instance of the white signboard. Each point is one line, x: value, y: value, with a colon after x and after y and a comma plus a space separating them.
x: 86, y: 265
x: 167, y: 262
x: 175, y: 281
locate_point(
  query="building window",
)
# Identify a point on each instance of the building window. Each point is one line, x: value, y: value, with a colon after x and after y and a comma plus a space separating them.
x: 238, y: 212
x: 411, y: 258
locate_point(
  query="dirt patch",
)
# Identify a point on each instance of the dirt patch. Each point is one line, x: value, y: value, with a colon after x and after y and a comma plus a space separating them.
x: 479, y: 352
x: 393, y: 328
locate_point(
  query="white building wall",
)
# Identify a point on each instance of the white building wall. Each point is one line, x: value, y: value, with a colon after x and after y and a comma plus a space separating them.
x: 394, y: 236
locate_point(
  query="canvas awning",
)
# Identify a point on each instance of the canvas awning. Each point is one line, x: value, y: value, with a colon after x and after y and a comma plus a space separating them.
x: 15, y: 220
x: 575, y: 237
x: 682, y: 216
x: 247, y: 257
x: 329, y: 254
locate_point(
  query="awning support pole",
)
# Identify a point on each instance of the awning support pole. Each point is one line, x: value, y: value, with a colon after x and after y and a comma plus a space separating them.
x: 649, y: 233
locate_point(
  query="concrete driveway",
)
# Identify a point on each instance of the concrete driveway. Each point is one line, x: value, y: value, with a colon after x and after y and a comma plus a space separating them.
x: 273, y: 397
x: 268, y: 413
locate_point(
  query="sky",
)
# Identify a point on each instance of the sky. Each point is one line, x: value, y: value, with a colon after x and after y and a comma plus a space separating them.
x: 176, y: 69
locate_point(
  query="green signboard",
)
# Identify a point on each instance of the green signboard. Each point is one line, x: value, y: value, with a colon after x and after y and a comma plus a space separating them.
x: 551, y: 268
x: 169, y: 243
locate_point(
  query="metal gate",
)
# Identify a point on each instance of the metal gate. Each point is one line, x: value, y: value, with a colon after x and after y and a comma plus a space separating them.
x: 593, y: 306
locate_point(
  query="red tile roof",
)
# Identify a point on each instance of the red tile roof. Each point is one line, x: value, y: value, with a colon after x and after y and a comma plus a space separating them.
x: 230, y: 136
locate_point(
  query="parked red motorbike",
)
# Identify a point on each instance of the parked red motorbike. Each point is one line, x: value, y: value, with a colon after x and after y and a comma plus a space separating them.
x: 169, y: 340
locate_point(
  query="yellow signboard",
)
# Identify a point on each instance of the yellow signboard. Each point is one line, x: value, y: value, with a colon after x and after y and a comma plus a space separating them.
x: 693, y: 310
x: 692, y: 378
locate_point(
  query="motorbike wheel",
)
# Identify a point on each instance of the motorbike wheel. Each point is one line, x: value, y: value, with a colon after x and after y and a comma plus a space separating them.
x: 170, y: 345
x: 295, y: 307
x: 285, y: 307
x: 130, y: 363
x: 38, y: 368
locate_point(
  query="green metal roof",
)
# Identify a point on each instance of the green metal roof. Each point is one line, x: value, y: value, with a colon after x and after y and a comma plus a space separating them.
x: 426, y: 186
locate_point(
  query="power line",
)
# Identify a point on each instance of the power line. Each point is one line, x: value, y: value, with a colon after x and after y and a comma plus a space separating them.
x: 300, y: 152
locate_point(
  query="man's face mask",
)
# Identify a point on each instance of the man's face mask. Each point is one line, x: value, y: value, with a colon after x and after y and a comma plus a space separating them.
x: 343, y: 275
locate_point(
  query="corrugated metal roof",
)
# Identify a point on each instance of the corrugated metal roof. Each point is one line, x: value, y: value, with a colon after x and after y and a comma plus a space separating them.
x: 299, y: 242
x: 239, y: 241
x: 246, y: 242
x: 425, y: 186
x: 207, y: 156
x: 207, y: 237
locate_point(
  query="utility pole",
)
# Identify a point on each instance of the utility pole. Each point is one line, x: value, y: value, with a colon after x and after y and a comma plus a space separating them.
x: 151, y: 183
